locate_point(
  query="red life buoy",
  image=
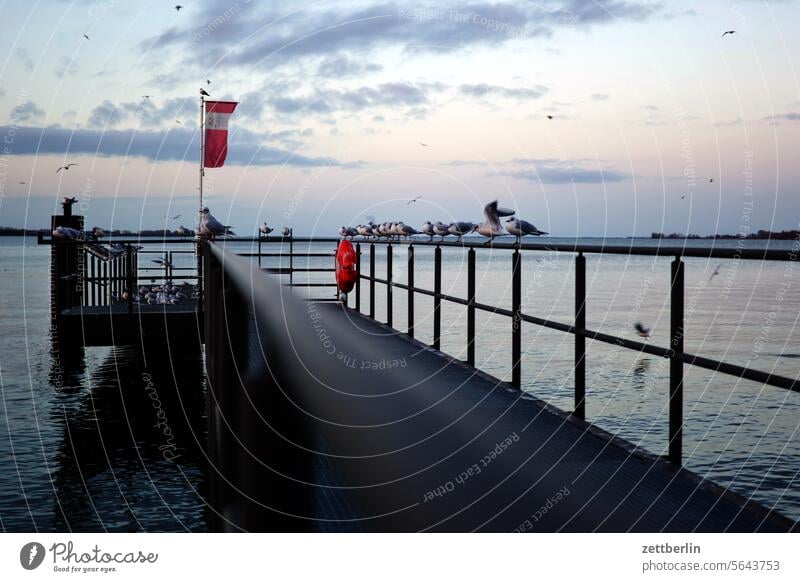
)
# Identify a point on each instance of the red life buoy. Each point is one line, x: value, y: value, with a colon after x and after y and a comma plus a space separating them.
x: 345, y: 262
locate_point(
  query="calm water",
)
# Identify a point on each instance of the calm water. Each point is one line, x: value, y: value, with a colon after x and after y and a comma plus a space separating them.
x: 80, y: 447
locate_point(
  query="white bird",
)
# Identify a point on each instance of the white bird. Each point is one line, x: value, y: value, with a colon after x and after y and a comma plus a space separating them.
x: 641, y: 330
x: 459, y: 229
x: 66, y: 232
x: 163, y: 262
x: 503, y: 212
x: 427, y: 228
x: 66, y: 167
x: 211, y: 227
x: 519, y: 228
x: 441, y: 229
x: 364, y: 230
x: 286, y: 231
x: 491, y: 226
x: 264, y: 229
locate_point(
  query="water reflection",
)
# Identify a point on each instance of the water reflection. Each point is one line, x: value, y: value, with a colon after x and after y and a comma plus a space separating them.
x: 130, y: 453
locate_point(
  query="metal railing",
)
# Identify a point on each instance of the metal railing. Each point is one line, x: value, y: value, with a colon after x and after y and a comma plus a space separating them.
x: 675, y: 353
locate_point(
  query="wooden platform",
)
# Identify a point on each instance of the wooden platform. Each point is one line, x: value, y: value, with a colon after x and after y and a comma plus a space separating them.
x: 112, y: 324
x: 454, y: 449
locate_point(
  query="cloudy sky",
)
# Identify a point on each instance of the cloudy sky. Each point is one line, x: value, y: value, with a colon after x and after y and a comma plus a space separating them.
x: 649, y: 104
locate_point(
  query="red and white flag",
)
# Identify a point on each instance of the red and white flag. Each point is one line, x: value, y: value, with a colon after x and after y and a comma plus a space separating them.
x: 216, y: 139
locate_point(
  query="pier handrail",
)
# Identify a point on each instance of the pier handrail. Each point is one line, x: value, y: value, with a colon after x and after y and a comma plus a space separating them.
x: 675, y: 353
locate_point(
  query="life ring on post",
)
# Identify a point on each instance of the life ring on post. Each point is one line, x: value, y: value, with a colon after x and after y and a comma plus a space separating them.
x: 346, y: 272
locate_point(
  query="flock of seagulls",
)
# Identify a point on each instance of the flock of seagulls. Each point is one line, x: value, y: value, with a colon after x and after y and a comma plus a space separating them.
x: 491, y: 227
x: 165, y: 294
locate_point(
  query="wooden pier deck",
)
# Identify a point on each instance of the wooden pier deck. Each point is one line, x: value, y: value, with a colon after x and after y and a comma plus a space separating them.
x: 457, y: 450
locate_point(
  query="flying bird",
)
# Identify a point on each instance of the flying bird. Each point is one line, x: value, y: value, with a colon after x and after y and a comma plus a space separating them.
x: 145, y: 96
x: 683, y: 196
x: 178, y: 8
x: 67, y: 167
x: 491, y: 226
x: 641, y: 330
x: 715, y: 273
x: 178, y: 121
x: 163, y: 262
x: 423, y: 144
x: 549, y: 117
x: 728, y: 32
x: 413, y: 199
x: 176, y: 217
x: 204, y: 92
x: 86, y: 36
x: 22, y: 183
x: 710, y: 180
x: 208, y: 81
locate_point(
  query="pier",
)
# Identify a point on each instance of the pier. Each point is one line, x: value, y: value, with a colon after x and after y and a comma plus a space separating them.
x: 321, y: 418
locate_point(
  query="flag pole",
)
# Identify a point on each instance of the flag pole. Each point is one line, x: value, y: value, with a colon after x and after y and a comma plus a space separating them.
x: 202, y: 153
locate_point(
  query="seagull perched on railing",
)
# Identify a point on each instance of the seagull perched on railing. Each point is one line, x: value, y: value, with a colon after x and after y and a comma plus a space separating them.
x: 405, y: 230
x: 347, y: 231
x: 459, y: 229
x: 364, y: 230
x: 491, y: 226
x: 66, y: 232
x: 427, y: 228
x: 211, y: 227
x: 520, y: 228
x: 441, y: 229
x: 264, y: 229
x: 286, y: 231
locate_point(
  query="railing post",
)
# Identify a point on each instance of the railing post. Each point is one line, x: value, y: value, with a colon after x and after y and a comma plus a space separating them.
x: 358, y: 277
x: 410, y: 282
x: 389, y: 284
x: 129, y: 274
x: 580, y: 338
x: 516, y: 325
x: 372, y: 280
x: 437, y: 299
x: 471, y: 307
x: 676, y: 364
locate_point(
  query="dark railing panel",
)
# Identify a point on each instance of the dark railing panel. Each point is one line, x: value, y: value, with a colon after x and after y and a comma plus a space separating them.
x: 676, y: 363
x: 471, y: 307
x: 516, y: 322
x: 410, y: 292
x: 580, y: 338
x: 437, y: 298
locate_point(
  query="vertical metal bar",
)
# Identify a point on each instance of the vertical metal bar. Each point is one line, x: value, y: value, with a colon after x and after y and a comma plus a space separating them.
x: 471, y: 307
x: 410, y: 282
x: 131, y: 291
x: 389, y: 306
x: 291, y: 258
x: 107, y: 288
x: 84, y: 274
x: 580, y: 339
x: 437, y: 298
x: 93, y: 275
x: 358, y: 277
x: 676, y: 364
x: 516, y: 325
x: 372, y: 280
x: 259, y: 249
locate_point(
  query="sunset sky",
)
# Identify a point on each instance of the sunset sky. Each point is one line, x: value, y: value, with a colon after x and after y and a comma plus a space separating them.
x: 649, y: 103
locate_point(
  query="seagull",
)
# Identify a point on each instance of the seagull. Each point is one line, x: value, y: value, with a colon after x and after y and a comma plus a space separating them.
x: 208, y: 81
x: 145, y: 96
x: 519, y: 228
x: 67, y: 167
x: 364, y: 230
x: 710, y: 180
x: 183, y: 231
x: 641, y: 330
x: 728, y: 32
x: 549, y: 117
x: 178, y: 7
x: 163, y: 262
x: 459, y: 229
x: 423, y: 144
x: 264, y: 229
x: 86, y: 36
x: 405, y: 230
x: 66, y: 233
x: 503, y: 212
x: 427, y: 228
x: 286, y: 231
x: 22, y: 183
x: 176, y: 217
x: 179, y: 122
x: 211, y: 227
x: 413, y: 199
x: 204, y: 92
x: 70, y: 200
x: 441, y: 229
x: 491, y: 226
x: 715, y: 273
x: 683, y: 196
